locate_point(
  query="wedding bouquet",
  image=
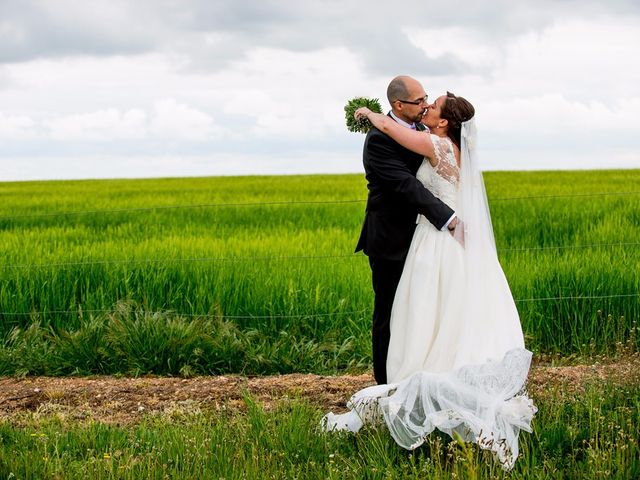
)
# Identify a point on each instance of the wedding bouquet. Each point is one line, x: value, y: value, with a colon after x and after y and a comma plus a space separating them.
x: 361, y: 125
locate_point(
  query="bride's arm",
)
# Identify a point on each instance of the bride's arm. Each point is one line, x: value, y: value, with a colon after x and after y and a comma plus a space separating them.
x: 419, y: 142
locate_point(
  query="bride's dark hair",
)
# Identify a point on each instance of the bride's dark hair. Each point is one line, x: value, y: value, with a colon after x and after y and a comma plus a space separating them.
x: 456, y: 110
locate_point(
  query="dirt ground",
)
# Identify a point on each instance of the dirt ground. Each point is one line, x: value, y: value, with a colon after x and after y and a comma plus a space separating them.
x: 126, y: 400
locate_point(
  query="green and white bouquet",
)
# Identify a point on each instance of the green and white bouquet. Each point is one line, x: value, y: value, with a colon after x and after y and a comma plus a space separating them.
x: 362, y: 125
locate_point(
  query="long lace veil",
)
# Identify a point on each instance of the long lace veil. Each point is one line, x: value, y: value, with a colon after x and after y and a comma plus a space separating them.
x: 473, y: 209
x: 473, y: 206
x: 487, y: 292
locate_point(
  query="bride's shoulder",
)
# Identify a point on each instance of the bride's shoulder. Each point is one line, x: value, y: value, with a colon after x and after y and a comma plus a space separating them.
x: 439, y: 139
x: 442, y: 143
x: 445, y: 149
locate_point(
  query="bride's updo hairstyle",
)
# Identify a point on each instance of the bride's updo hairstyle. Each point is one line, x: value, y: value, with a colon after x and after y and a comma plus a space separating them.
x: 456, y: 110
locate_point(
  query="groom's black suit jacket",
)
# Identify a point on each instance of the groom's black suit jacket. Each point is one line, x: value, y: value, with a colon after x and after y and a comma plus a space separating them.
x: 396, y: 197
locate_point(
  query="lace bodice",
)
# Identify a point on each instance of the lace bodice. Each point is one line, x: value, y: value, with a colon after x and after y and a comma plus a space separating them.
x: 441, y: 180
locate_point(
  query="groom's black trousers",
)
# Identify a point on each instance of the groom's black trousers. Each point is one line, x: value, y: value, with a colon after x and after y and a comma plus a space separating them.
x: 385, y: 275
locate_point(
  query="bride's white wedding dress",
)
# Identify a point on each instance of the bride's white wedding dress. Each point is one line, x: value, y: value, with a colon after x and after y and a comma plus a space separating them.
x: 456, y: 358
x: 429, y: 328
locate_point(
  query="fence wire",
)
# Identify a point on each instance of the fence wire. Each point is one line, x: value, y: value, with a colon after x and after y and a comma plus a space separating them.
x: 178, y: 207
x: 80, y: 311
x: 284, y: 257
x: 301, y: 202
x: 195, y: 315
x: 291, y: 257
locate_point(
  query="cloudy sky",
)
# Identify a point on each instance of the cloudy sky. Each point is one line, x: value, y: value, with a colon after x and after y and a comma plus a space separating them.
x: 147, y: 88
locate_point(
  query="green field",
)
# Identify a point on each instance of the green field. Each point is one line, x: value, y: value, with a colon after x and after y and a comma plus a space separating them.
x: 257, y: 274
x: 586, y: 435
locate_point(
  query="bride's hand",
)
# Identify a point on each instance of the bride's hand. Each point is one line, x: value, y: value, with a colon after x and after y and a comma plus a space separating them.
x: 458, y: 232
x: 361, y: 112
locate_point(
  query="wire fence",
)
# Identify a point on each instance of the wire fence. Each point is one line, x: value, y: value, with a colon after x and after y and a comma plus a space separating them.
x: 80, y: 311
x: 349, y: 256
x: 193, y: 315
x: 283, y: 203
x: 288, y: 257
x: 184, y: 260
x: 566, y: 195
x: 178, y: 207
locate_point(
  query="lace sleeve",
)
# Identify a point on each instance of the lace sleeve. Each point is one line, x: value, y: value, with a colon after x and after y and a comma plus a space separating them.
x: 446, y: 165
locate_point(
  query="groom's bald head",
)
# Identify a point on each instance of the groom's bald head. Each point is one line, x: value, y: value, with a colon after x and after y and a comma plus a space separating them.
x: 407, y: 98
x: 398, y: 88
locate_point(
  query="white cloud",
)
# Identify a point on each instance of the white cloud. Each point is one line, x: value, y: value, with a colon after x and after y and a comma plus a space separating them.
x: 174, y: 120
x: 267, y: 81
x: 168, y: 120
x: 103, y: 125
x: 293, y: 94
x: 140, y: 166
x: 467, y: 44
x: 17, y: 127
x: 553, y: 114
x: 594, y: 59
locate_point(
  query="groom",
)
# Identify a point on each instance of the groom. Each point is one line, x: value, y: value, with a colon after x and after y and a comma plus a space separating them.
x: 396, y: 197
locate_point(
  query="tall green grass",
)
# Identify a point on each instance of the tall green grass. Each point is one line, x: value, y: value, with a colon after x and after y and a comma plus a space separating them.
x: 281, y: 248
x: 133, y: 341
x: 592, y: 434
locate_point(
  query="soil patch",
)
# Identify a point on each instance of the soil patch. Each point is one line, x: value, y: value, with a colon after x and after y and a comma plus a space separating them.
x: 127, y: 400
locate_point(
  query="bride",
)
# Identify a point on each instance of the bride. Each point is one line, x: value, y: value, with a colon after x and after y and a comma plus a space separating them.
x: 456, y: 358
